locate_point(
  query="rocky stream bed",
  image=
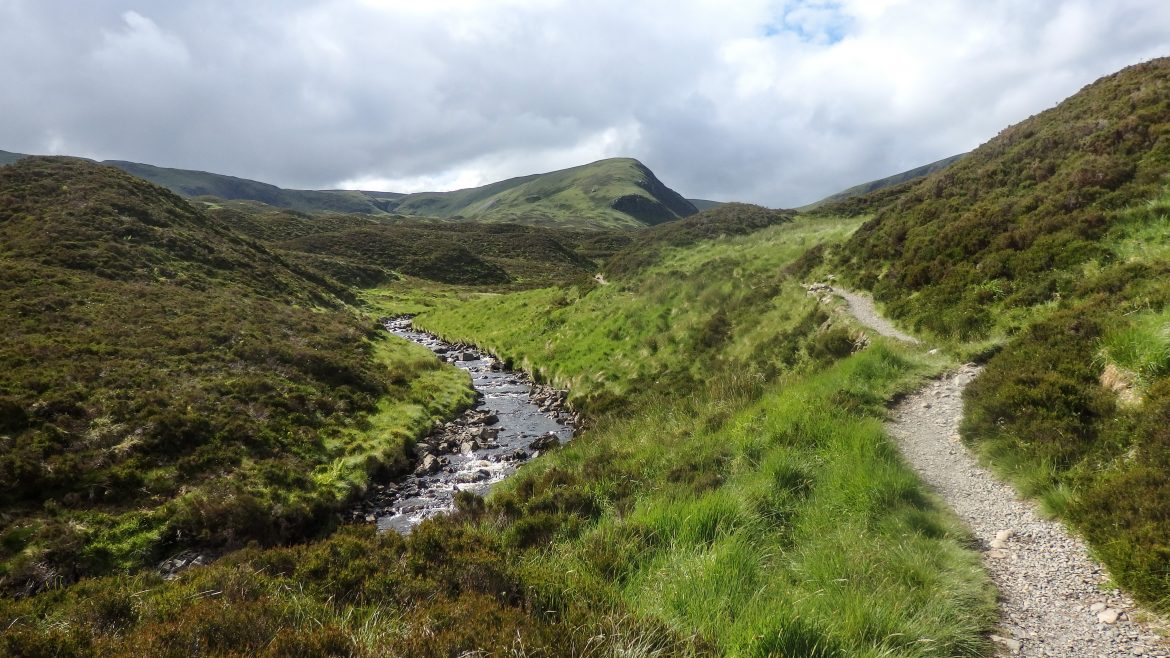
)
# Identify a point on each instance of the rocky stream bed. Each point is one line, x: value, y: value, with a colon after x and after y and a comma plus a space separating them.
x: 512, y: 421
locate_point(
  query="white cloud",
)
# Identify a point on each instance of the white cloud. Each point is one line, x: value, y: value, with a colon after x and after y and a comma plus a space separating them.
x: 773, y: 101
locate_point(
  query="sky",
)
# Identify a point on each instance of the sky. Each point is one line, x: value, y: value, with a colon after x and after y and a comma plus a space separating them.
x: 767, y: 101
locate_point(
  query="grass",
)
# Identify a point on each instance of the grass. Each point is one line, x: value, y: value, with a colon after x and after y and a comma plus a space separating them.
x: 718, y: 305
x: 736, y: 495
x: 788, y: 526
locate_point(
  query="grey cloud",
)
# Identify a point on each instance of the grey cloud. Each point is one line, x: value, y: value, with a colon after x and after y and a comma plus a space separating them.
x: 310, y: 93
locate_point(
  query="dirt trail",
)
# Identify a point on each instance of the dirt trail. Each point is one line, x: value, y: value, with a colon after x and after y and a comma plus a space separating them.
x: 862, y: 308
x: 1053, y: 597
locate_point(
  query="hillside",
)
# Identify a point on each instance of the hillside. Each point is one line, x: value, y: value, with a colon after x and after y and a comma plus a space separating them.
x: 882, y: 183
x: 1047, y: 249
x: 1014, y: 221
x: 614, y: 193
x: 200, y: 183
x: 364, y: 250
x: 705, y: 204
x: 168, y: 382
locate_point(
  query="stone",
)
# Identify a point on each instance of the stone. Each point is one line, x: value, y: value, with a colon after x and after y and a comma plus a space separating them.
x: 478, y: 475
x: 1097, y: 607
x: 545, y: 442
x: 1108, y: 616
x: 1008, y: 643
x: 429, y: 464
x: 486, y: 433
x: 1004, y: 535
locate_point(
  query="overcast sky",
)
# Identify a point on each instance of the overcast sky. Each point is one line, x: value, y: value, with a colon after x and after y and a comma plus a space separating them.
x: 773, y: 102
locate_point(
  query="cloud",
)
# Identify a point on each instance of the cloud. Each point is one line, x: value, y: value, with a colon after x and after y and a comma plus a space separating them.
x: 772, y: 101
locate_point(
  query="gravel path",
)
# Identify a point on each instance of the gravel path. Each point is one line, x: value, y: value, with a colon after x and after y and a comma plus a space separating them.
x: 862, y: 308
x: 1053, y: 600
x: 1051, y: 592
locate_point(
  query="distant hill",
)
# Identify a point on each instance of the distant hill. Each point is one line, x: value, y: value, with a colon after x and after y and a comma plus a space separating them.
x: 705, y: 204
x: 613, y: 193
x: 9, y: 158
x: 882, y: 183
x: 645, y: 247
x: 201, y: 183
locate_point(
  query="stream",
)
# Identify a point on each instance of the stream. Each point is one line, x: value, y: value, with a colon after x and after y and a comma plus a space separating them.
x: 512, y: 421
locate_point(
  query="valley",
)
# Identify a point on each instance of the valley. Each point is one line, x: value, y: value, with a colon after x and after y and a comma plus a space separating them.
x: 572, y: 414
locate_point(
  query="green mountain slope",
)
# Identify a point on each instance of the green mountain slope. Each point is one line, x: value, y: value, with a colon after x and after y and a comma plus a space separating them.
x: 619, y: 192
x: 614, y: 193
x: 200, y: 183
x: 1015, y: 220
x: 167, y: 381
x: 1050, y: 246
x: 882, y: 183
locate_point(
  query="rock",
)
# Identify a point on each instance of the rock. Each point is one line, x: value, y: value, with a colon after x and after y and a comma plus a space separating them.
x: 1008, y: 643
x: 545, y: 442
x: 490, y: 419
x: 1108, y: 616
x: 1097, y: 607
x: 430, y: 464
x: 934, y: 351
x: 1004, y: 535
x: 485, y: 433
x: 478, y: 475
x: 467, y: 356
x: 997, y: 554
x: 467, y: 447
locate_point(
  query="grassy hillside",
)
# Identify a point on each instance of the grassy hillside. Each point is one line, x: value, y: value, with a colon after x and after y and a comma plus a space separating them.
x: 729, y: 219
x: 191, y: 183
x: 169, y: 383
x: 738, y: 499
x: 1012, y: 224
x: 737, y: 458
x: 614, y: 193
x: 365, y: 251
x: 882, y: 183
x: 1048, y: 245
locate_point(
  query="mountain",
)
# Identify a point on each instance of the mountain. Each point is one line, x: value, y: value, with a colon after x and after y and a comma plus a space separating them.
x: 200, y: 183
x: 882, y: 183
x: 613, y: 193
x: 9, y: 158
x: 705, y: 204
